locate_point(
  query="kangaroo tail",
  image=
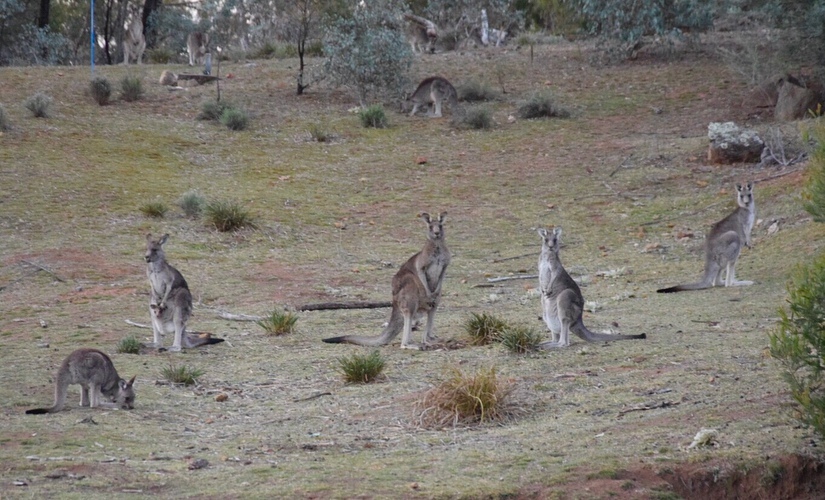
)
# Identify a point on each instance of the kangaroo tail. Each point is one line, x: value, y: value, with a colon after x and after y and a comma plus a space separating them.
x: 585, y: 334
x: 197, y: 339
x: 393, y: 328
x: 684, y: 288
x: 39, y: 411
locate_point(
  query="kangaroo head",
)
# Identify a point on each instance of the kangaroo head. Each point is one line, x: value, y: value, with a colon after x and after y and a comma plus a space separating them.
x: 435, y: 226
x: 157, y: 310
x: 550, y: 240
x: 125, y: 397
x: 744, y: 194
x: 154, y: 248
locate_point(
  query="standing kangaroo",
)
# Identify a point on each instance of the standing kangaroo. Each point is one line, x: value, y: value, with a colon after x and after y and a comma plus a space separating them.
x: 170, y: 294
x: 416, y: 289
x: 724, y: 243
x: 96, y: 374
x: 561, y: 300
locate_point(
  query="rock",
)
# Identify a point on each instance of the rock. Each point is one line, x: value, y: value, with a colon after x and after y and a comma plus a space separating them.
x: 168, y: 78
x: 794, y: 100
x: 731, y: 144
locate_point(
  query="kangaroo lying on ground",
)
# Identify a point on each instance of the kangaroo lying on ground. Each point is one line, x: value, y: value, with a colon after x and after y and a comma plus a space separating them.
x: 416, y: 289
x: 724, y: 243
x: 169, y: 292
x: 96, y: 374
x: 561, y: 300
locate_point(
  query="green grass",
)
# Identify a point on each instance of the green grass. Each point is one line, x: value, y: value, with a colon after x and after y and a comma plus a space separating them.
x: 181, y: 374
x: 154, y: 209
x: 228, y: 216
x: 279, y: 322
x: 361, y: 368
x: 131, y: 88
x: 212, y: 110
x: 192, y: 203
x: 484, y: 328
x: 373, y: 117
x: 40, y: 105
x: 129, y: 345
x: 520, y: 339
x: 101, y: 90
x: 235, y: 119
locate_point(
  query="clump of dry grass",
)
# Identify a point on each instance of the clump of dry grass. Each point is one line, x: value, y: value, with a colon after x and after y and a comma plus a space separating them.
x: 360, y: 368
x: 484, y: 328
x: 101, y: 90
x: 465, y: 399
x: 40, y: 105
x: 154, y: 209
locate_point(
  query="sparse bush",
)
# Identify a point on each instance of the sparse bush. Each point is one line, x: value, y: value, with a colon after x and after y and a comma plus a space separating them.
x: 519, y: 339
x: 475, y: 117
x: 541, y: 105
x: 227, y: 216
x: 799, y: 343
x: 182, y: 374
x: 5, y: 124
x: 160, y: 55
x: 212, y: 110
x: 192, y: 204
x: 154, y: 209
x: 319, y: 133
x: 267, y: 50
x: 475, y: 91
x: 361, y: 368
x: 465, y: 399
x: 279, y: 322
x: 373, y: 116
x: 101, y: 90
x: 235, y: 119
x: 484, y: 328
x: 131, y: 88
x: 813, y: 196
x: 129, y: 345
x: 40, y: 105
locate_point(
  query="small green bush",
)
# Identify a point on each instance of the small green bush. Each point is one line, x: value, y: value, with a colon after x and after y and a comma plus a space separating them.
x: 182, y: 374
x: 475, y: 91
x: 212, y: 110
x: 465, y: 398
x: 131, y: 88
x: 475, y: 117
x: 279, y: 322
x: 314, y: 49
x: 267, y: 51
x: 5, y: 124
x: 235, y: 119
x: 798, y: 342
x: 319, y: 133
x: 160, y: 55
x: 360, y: 368
x: 154, y: 209
x: 101, y: 90
x: 192, y: 204
x: 484, y: 328
x: 40, y: 105
x: 129, y: 345
x: 541, y: 105
x: 227, y: 216
x: 520, y: 340
x: 813, y: 196
x: 373, y: 116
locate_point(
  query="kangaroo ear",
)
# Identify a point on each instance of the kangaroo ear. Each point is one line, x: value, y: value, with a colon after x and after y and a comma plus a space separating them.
x: 425, y: 216
x: 738, y: 187
x: 557, y: 232
x: 442, y: 216
x: 750, y: 186
x: 125, y: 385
x: 542, y: 232
x: 163, y: 238
x: 148, y: 236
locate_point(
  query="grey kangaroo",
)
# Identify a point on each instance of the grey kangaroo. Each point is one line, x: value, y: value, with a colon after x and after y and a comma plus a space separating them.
x: 724, y: 243
x: 165, y: 317
x: 96, y: 374
x: 433, y: 91
x: 416, y: 289
x: 561, y: 300
x: 169, y: 292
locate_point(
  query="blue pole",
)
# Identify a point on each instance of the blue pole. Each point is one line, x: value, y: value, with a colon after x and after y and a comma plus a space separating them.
x: 92, y: 34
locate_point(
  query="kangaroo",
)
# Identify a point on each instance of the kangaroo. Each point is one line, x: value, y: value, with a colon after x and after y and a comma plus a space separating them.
x: 165, y: 318
x: 421, y: 33
x: 196, y: 46
x: 561, y: 299
x: 724, y: 243
x: 433, y: 91
x: 416, y: 289
x: 96, y: 374
x: 169, y: 291
x: 134, y: 43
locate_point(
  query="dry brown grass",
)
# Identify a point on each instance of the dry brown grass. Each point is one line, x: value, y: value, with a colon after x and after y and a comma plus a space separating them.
x: 465, y: 399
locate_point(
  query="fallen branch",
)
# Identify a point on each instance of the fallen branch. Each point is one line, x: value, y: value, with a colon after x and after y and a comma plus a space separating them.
x: 680, y: 216
x: 45, y: 270
x: 312, y: 397
x: 505, y: 259
x: 663, y: 404
x: 324, y: 306
x: 238, y: 317
x: 508, y: 278
x: 199, y: 79
x: 139, y: 325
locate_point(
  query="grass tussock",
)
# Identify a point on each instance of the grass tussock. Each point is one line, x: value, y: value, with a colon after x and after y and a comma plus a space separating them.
x: 361, y: 368
x: 484, y: 328
x: 181, y: 374
x: 129, y: 345
x: 154, y: 209
x: 520, y: 339
x: 320, y: 133
x: 131, y: 89
x: 475, y: 91
x: 373, y: 117
x: 227, y: 216
x: 474, y: 117
x: 40, y: 105
x: 465, y: 399
x: 235, y: 119
x: 192, y: 204
x: 212, y: 110
x: 101, y: 90
x: 541, y: 105
x: 279, y: 323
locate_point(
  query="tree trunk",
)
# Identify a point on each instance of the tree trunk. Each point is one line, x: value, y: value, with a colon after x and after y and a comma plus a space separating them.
x: 149, y: 7
x: 43, y: 17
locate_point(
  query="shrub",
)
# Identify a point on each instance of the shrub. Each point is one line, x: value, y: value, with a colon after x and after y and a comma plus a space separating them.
x: 182, y: 374
x: 798, y: 343
x: 154, y: 209
x: 319, y: 133
x: 40, y: 105
x: 279, y: 322
x: 541, y: 105
x: 484, y: 328
x: 475, y: 117
x: 475, y: 91
x: 813, y: 196
x: 212, y: 110
x: 373, y: 116
x: 360, y: 368
x: 160, y: 55
x: 235, y: 119
x: 192, y: 204
x: 465, y: 399
x: 129, y: 345
x: 227, y: 216
x: 131, y: 88
x: 5, y: 124
x: 101, y: 90
x: 520, y: 340
x: 267, y: 51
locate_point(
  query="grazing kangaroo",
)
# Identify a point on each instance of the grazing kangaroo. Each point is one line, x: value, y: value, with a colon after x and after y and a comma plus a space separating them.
x: 561, y: 299
x: 170, y: 293
x: 433, y: 91
x: 165, y: 317
x: 724, y: 243
x: 96, y: 374
x: 421, y: 33
x: 416, y: 289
